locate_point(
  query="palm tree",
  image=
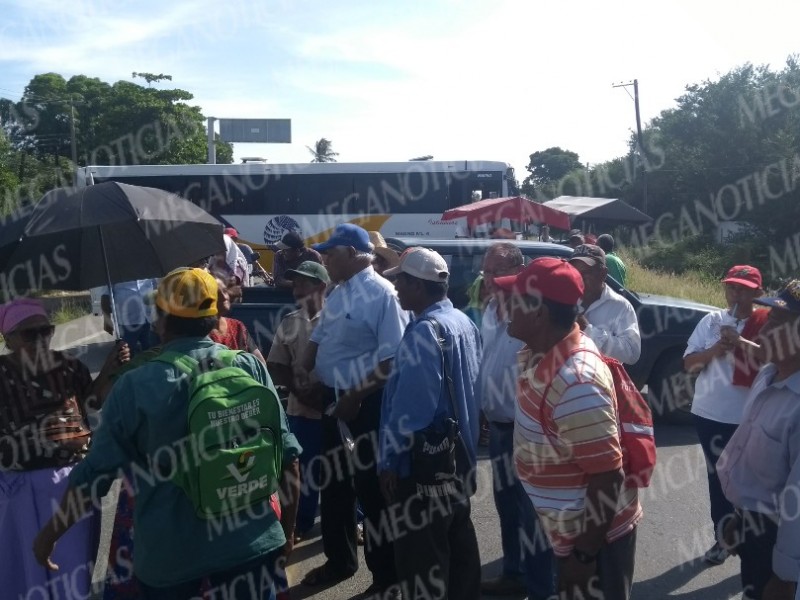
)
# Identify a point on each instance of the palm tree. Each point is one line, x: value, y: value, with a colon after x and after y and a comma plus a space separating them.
x: 323, y: 151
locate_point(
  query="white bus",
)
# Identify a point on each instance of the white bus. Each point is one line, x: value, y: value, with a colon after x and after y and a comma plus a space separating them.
x: 263, y: 201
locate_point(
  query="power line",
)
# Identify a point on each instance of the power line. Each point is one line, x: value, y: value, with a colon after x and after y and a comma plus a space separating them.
x: 701, y: 169
x: 43, y: 99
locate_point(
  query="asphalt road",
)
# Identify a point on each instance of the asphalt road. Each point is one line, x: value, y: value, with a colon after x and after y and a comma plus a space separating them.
x: 671, y: 540
x: 675, y: 533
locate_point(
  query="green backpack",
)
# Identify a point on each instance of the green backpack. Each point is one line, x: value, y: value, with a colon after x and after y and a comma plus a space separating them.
x: 235, y: 436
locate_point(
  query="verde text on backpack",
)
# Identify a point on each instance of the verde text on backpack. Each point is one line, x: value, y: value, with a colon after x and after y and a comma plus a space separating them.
x: 235, y: 422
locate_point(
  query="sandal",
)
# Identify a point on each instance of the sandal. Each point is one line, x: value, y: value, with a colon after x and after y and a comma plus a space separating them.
x: 323, y: 575
x: 360, y: 534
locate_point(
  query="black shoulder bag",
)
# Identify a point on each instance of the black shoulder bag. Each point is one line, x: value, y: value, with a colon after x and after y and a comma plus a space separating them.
x: 440, y: 464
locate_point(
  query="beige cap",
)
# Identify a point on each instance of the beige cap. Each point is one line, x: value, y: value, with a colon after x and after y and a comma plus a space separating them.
x: 383, y: 250
x: 421, y: 263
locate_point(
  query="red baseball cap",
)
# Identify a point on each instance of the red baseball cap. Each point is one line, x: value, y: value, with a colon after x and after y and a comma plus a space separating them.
x: 231, y: 232
x: 744, y: 275
x: 550, y: 278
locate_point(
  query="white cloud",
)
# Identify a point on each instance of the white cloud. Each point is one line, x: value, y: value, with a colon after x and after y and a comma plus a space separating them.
x: 92, y: 38
x: 456, y: 79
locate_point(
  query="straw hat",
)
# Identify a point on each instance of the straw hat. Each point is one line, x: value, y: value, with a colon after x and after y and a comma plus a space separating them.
x: 382, y: 250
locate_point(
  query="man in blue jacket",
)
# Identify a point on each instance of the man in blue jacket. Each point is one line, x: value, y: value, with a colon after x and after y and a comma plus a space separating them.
x: 436, y: 550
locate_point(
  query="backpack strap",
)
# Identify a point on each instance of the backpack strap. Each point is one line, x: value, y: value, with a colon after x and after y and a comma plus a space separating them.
x: 465, y: 470
x: 605, y: 360
x: 227, y: 357
x: 188, y: 365
x: 570, y: 355
x: 183, y: 362
x: 446, y: 374
x: 546, y: 391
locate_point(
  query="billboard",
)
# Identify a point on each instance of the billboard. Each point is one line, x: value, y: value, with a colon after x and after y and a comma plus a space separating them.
x: 257, y: 131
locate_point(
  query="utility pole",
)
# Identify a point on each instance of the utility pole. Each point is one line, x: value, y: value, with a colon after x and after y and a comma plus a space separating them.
x: 212, y: 149
x: 639, y: 142
x: 72, y: 134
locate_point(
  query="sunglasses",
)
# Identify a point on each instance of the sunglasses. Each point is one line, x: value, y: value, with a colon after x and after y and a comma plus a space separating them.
x: 35, y: 333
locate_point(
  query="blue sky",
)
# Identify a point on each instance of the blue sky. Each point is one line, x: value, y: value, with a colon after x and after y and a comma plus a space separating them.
x: 457, y: 79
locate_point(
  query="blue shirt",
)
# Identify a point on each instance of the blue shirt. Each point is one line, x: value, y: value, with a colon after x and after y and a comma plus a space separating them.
x: 129, y: 303
x: 360, y: 326
x: 497, y: 383
x: 786, y: 554
x: 760, y: 467
x: 416, y: 394
x: 754, y: 467
x: 144, y: 422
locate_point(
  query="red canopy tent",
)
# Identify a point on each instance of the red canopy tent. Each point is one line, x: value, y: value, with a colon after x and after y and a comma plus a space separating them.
x: 516, y: 208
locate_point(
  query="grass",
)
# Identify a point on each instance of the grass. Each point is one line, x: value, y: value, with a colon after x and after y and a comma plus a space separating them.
x: 68, y: 311
x: 691, y: 285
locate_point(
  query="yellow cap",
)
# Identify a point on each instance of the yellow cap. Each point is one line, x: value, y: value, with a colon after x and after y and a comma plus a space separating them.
x: 188, y: 293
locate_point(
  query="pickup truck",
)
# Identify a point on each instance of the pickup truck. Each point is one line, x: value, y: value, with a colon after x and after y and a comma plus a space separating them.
x: 665, y: 323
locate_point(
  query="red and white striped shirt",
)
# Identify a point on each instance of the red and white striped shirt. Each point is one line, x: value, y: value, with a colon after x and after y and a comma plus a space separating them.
x: 566, y: 430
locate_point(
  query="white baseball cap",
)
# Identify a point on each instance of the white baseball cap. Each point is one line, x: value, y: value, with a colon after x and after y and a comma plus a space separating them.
x: 421, y: 263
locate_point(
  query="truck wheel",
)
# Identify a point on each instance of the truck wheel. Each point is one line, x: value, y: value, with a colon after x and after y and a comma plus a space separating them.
x: 671, y: 390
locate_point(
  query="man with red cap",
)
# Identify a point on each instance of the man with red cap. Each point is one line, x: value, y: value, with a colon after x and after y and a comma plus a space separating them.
x: 726, y: 366
x: 566, y: 440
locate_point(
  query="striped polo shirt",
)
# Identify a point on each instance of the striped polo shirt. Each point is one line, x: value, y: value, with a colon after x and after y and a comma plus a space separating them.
x: 565, y: 431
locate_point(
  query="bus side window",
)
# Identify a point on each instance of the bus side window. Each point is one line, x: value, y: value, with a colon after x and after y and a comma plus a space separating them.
x: 380, y: 193
x: 278, y: 197
x: 458, y: 193
x: 328, y: 194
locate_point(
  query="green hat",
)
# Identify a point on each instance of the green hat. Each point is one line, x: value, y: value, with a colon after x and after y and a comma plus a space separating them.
x: 311, y: 269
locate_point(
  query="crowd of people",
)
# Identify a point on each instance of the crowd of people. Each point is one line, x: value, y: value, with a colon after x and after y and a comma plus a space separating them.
x: 389, y: 385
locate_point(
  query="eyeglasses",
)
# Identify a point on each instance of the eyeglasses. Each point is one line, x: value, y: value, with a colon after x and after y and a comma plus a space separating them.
x: 35, y: 333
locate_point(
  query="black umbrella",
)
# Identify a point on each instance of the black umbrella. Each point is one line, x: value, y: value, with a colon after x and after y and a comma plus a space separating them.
x: 103, y: 234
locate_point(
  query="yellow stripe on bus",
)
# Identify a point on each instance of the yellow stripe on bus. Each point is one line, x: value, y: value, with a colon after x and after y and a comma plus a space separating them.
x: 370, y: 223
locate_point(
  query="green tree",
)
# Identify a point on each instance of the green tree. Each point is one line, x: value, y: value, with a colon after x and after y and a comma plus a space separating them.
x: 41, y: 118
x: 123, y: 123
x: 323, y: 151
x: 24, y: 178
x: 732, y: 146
x: 8, y: 177
x: 151, y: 77
x: 547, y: 167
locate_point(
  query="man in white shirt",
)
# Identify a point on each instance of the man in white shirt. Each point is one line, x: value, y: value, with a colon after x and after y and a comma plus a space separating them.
x: 352, y: 350
x: 607, y: 318
x: 726, y: 370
